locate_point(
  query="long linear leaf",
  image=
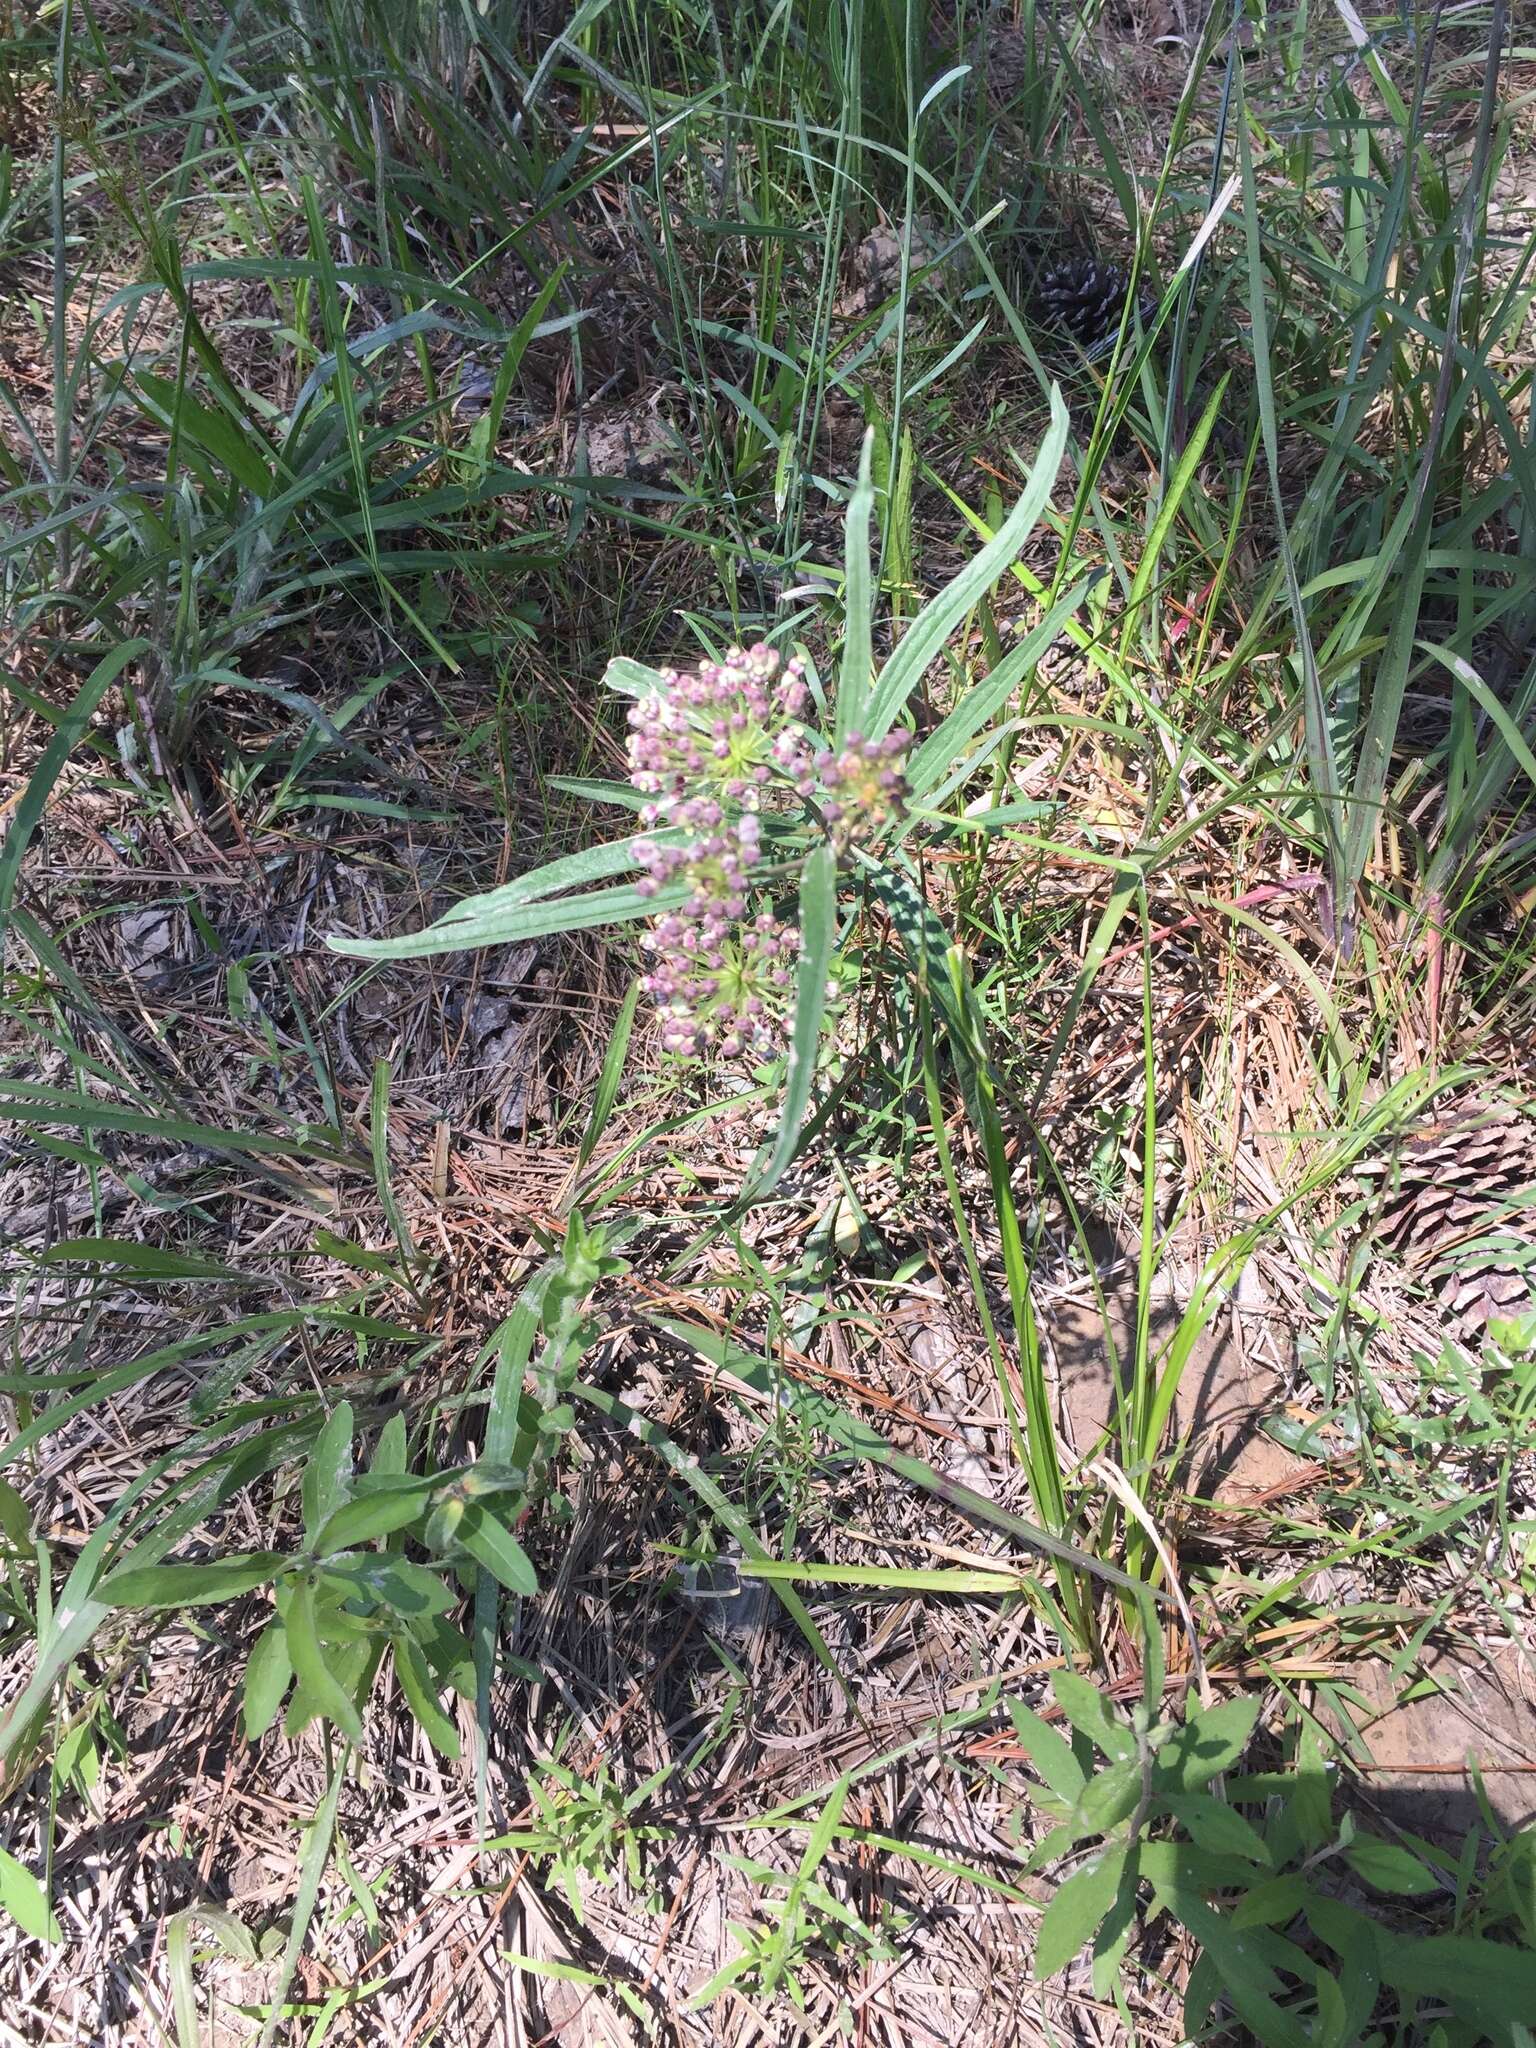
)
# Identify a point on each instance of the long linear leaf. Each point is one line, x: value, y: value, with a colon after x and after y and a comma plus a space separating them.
x: 926, y: 636
x: 1321, y: 756
x: 37, y: 1102
x: 622, y: 905
x: 858, y: 602
x: 512, y: 1345
x: 939, y: 752
x: 818, y: 919
x: 312, y: 1669
x: 316, y: 1854
x: 820, y: 1412
x: 1147, y: 568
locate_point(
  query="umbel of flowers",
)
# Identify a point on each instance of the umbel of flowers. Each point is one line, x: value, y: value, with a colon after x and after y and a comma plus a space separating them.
x: 712, y: 752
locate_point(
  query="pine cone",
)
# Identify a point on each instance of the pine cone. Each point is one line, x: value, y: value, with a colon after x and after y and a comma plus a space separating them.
x: 1458, y: 1207
x: 1085, y: 300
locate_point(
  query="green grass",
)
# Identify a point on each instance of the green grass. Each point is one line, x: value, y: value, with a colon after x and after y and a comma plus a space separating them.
x: 397, y: 1341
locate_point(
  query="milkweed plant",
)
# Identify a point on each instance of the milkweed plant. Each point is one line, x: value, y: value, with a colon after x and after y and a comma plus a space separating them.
x: 762, y: 797
x: 772, y: 809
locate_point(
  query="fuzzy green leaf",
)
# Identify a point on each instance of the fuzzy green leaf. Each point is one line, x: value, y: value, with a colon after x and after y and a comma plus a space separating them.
x: 390, y: 1453
x: 25, y: 1900
x: 1050, y: 1753
x: 1483, y: 1981
x: 328, y: 1471
x: 191, y: 1585
x: 1215, y: 1825
x: 417, y: 1683
x: 1107, y: 1799
x: 411, y: 1590
x: 1390, y: 1867
x: 268, y: 1674
x: 1092, y: 1715
x: 1073, y: 1916
x: 373, y: 1514
x: 1209, y: 1742
x: 1273, y: 1903
x: 491, y: 1544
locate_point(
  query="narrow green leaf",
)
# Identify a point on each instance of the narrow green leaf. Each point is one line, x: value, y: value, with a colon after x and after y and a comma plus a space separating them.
x: 1092, y: 1715
x: 893, y: 1578
x: 815, y: 1411
x: 242, y: 453
x: 1148, y: 568
x: 1488, y: 702
x: 378, y: 1139
x: 490, y: 1543
x: 818, y: 921
x: 328, y: 1471
x: 323, y: 1688
x: 233, y: 1937
x: 25, y: 1900
x: 420, y: 1690
x: 824, y: 1832
x: 191, y: 1585
x: 148, y: 1261
x: 268, y: 1674
x: 939, y: 87
x: 925, y: 637
x: 314, y: 1856
x: 606, y: 1093
x: 526, y: 921
x: 1322, y: 759
x: 596, y: 791
x: 35, y: 1103
x: 855, y: 676
x: 71, y: 730
x: 688, y: 1471
x: 937, y: 755
x: 512, y: 1346
x: 1073, y: 1916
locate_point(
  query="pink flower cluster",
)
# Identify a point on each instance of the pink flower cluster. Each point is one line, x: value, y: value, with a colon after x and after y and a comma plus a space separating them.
x: 708, y: 751
x: 864, y: 783
x: 722, y: 990
x: 726, y: 730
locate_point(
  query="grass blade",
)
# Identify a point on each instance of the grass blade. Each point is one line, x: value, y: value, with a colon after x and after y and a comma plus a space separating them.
x: 925, y: 637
